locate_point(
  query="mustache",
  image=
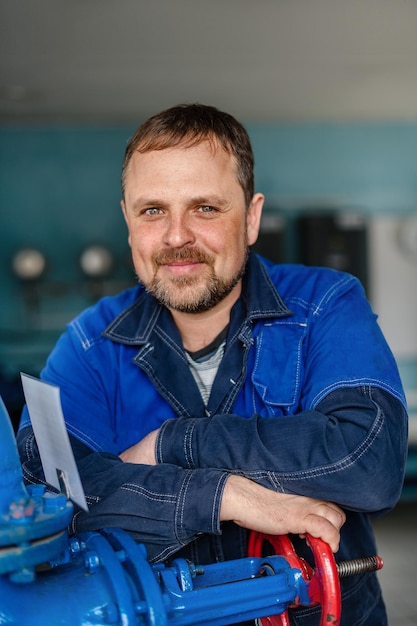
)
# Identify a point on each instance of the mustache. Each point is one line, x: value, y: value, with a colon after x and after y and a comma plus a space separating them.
x: 172, y: 255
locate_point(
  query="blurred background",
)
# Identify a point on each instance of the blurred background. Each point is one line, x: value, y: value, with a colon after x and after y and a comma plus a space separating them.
x: 326, y: 88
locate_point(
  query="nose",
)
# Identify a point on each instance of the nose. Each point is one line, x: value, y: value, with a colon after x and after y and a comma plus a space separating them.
x: 178, y: 231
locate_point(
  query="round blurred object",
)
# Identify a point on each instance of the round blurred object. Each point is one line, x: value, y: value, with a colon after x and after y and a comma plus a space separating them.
x: 29, y: 264
x: 96, y: 261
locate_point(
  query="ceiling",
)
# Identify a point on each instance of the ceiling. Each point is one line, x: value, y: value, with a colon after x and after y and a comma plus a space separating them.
x: 116, y: 61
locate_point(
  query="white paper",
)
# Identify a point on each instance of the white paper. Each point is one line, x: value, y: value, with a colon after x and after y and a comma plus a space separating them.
x: 44, y: 405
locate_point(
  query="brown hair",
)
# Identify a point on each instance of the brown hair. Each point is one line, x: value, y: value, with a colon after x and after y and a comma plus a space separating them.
x: 188, y: 125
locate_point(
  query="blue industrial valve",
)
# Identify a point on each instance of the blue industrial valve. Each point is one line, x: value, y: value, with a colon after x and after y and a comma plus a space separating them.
x: 103, y: 578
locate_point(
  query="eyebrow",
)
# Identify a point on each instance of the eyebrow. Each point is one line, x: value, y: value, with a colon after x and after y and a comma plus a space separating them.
x: 212, y: 199
x: 143, y: 201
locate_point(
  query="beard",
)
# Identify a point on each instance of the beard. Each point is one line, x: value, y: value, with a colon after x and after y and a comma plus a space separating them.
x: 192, y: 294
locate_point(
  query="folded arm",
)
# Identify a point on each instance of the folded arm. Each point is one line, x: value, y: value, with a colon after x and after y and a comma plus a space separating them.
x: 165, y: 506
x: 161, y: 506
x: 355, y: 437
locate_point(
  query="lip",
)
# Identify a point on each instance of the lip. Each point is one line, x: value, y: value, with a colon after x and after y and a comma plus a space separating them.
x: 182, y: 267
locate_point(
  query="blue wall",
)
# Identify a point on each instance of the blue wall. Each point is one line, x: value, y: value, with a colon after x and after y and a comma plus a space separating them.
x: 59, y: 191
x: 372, y: 167
x: 68, y: 177
x: 59, y: 186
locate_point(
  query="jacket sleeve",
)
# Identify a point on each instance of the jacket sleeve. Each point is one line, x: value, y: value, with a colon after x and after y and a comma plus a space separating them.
x: 350, y: 450
x: 161, y: 506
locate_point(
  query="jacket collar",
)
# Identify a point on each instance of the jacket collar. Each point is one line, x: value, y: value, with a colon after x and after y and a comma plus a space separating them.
x: 135, y: 324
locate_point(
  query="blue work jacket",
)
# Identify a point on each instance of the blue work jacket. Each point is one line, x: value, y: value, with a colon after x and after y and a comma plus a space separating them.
x: 307, y: 400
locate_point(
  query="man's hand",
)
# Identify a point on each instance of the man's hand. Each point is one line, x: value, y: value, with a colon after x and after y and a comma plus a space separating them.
x: 257, y: 508
x: 142, y: 452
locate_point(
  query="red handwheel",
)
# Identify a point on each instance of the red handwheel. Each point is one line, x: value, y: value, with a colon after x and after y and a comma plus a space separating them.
x: 322, y: 581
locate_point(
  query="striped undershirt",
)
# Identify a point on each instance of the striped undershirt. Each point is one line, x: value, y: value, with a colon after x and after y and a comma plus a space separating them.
x: 205, y: 363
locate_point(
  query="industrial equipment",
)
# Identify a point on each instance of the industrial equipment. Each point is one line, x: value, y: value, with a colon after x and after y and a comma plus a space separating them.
x: 104, y: 578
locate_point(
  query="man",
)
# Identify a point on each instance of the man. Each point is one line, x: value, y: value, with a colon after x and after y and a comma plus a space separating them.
x: 225, y: 393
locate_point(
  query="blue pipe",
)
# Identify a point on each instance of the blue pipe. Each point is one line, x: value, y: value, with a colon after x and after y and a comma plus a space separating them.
x: 12, y: 489
x: 108, y: 581
x: 104, y: 578
x: 33, y: 522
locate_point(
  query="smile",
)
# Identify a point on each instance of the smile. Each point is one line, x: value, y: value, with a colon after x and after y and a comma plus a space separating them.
x: 182, y: 268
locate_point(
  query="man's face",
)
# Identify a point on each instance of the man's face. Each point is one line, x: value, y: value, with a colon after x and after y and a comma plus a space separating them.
x: 188, y: 225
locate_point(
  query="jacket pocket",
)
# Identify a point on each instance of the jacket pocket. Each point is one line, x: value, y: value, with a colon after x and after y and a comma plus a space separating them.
x: 278, y: 364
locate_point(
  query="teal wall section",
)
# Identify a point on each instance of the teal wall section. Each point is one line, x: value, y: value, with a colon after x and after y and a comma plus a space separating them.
x: 59, y: 192
x: 59, y: 186
x: 66, y: 179
x: 372, y: 167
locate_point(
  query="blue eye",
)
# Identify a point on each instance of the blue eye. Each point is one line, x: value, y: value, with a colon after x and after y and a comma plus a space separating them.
x: 153, y: 211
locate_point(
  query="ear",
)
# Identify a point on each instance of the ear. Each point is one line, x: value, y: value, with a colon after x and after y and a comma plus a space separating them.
x: 123, y: 205
x: 253, y: 217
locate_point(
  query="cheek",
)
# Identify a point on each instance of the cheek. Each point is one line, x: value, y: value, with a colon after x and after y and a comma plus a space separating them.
x: 142, y: 250
x: 142, y: 241
x: 230, y: 245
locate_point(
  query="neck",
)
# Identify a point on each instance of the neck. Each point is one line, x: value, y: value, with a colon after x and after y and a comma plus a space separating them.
x: 198, y: 330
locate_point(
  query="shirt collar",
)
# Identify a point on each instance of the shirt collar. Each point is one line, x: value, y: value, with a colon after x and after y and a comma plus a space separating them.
x: 260, y: 293
x: 135, y: 324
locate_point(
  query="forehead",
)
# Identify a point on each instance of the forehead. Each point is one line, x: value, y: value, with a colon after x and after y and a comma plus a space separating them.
x: 207, y: 160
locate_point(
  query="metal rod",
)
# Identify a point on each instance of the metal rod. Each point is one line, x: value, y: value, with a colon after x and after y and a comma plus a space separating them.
x: 359, y: 566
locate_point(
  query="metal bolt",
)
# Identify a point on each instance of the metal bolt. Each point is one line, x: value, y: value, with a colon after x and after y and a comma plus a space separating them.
x: 22, y: 511
x: 92, y: 561
x: 53, y: 502
x: 75, y: 546
x: 35, y: 490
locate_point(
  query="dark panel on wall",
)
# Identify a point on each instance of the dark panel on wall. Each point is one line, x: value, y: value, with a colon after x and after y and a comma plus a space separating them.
x: 271, y: 242
x: 336, y: 240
